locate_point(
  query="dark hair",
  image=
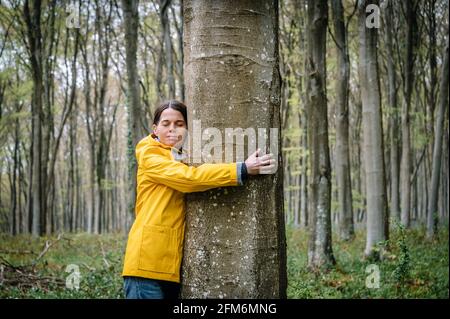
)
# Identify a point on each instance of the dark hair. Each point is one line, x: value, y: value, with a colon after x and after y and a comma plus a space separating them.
x: 171, y: 104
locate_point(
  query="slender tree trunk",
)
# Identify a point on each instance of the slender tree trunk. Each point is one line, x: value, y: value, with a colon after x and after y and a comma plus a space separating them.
x: 165, y: 27
x: 431, y: 85
x: 304, y: 172
x: 343, y: 180
x: 235, y: 240
x: 23, y: 226
x: 286, y: 189
x: 320, y: 251
x: 159, y: 70
x: 372, y: 133
x: 296, y: 201
x: 135, y: 128
x: 445, y: 179
x: 14, y: 192
x: 71, y: 178
x: 424, y: 195
x: 437, y: 150
x: 179, y: 62
x: 405, y: 167
x: 78, y: 205
x: 357, y: 158
x: 33, y: 22
x: 393, y: 118
x: 50, y: 42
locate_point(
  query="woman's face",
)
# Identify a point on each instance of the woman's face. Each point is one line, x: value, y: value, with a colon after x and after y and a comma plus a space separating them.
x: 171, y: 128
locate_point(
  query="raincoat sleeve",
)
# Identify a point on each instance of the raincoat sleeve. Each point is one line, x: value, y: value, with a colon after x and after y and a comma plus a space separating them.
x: 187, y: 179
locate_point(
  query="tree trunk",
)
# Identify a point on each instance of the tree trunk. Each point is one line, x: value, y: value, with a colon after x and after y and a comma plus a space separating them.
x: 165, y: 29
x: 33, y: 22
x: 179, y: 64
x: 15, y: 224
x: 296, y: 201
x: 235, y: 241
x: 405, y: 167
x: 343, y: 180
x: 135, y: 128
x: 437, y: 150
x: 71, y: 188
x: 393, y: 118
x: 372, y: 133
x: 304, y: 172
x: 50, y: 43
x: 320, y: 251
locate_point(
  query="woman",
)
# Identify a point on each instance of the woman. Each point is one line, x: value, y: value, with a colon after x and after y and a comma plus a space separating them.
x: 155, y: 242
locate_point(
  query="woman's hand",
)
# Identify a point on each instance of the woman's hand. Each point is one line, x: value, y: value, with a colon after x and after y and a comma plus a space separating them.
x: 257, y: 164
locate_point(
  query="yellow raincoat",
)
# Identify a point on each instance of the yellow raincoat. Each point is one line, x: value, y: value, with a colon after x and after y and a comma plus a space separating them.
x: 155, y: 241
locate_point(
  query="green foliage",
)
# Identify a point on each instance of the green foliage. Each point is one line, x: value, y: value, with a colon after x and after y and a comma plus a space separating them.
x: 411, y: 268
x: 402, y: 269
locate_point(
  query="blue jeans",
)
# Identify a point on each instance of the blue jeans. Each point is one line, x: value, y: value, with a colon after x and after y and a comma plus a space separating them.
x: 144, y: 288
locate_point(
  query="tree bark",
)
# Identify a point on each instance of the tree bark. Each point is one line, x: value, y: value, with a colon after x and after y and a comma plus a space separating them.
x: 235, y: 241
x: 320, y: 253
x: 405, y: 167
x: 372, y: 133
x: 165, y: 29
x: 437, y: 150
x: 135, y: 128
x: 180, y: 53
x: 343, y: 180
x: 33, y: 22
x: 304, y: 173
x: 393, y: 118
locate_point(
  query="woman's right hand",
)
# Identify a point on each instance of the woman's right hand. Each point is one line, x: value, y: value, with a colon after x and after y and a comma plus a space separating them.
x: 257, y: 164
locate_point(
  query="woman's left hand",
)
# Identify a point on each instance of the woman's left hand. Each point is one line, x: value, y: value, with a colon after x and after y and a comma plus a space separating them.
x: 257, y: 164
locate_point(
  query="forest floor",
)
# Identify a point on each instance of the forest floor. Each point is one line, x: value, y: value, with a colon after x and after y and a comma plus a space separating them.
x: 48, y: 267
x: 412, y: 267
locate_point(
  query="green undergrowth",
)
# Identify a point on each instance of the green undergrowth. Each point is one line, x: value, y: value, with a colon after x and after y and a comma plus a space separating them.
x: 411, y: 267
x: 96, y: 260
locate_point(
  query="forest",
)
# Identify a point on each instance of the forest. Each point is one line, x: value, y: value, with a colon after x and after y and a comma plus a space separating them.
x: 358, y: 89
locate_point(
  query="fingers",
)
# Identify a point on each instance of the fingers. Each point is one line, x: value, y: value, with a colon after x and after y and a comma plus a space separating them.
x: 266, y: 157
x: 268, y: 169
x: 265, y: 160
x: 265, y: 163
x: 256, y: 153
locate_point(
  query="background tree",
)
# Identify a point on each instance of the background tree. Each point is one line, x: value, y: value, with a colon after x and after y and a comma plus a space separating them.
x: 320, y: 251
x: 36, y: 54
x: 135, y: 118
x: 394, y: 141
x: 373, y: 132
x: 408, y: 81
x: 437, y: 151
x: 342, y: 167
